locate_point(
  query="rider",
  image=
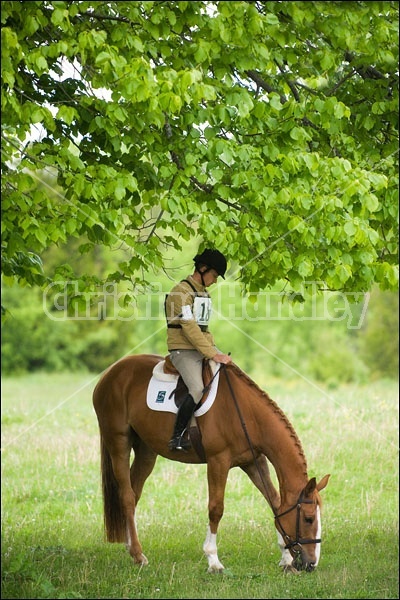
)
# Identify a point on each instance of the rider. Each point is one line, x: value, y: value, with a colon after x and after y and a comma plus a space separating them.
x: 188, y: 309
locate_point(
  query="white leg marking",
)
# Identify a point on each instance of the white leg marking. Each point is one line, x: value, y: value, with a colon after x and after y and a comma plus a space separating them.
x: 287, y: 558
x: 210, y: 550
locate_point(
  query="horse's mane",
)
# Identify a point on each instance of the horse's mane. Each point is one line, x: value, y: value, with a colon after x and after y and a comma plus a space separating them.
x: 242, y: 375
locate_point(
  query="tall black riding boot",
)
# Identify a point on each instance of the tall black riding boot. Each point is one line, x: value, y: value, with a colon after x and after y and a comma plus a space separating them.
x: 185, y: 412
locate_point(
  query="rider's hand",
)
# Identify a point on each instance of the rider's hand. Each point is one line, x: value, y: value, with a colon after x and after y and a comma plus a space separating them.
x: 222, y: 358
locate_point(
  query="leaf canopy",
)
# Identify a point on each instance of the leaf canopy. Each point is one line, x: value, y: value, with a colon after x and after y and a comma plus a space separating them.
x: 266, y: 129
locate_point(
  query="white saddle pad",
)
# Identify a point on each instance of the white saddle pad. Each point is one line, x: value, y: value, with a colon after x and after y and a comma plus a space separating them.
x: 161, y: 386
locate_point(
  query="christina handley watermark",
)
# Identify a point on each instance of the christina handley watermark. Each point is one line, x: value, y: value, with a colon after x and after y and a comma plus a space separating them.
x: 64, y: 301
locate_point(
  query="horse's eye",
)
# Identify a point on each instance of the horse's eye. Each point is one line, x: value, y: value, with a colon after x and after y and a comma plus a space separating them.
x: 309, y: 519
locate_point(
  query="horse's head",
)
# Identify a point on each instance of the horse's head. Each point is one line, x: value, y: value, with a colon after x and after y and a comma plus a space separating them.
x: 299, y: 528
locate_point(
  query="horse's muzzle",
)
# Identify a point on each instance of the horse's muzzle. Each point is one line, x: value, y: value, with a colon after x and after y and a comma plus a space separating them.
x: 300, y: 563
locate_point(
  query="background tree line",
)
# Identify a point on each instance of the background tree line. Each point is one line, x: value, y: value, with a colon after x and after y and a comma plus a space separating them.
x: 333, y: 339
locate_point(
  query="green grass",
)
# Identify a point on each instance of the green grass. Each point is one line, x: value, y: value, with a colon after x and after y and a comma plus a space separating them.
x: 52, y: 531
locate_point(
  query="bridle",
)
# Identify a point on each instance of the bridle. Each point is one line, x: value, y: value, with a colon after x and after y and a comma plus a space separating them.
x: 299, y: 541
x: 293, y: 545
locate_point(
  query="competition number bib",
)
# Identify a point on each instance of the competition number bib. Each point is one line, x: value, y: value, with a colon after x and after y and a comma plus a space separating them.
x: 202, y: 310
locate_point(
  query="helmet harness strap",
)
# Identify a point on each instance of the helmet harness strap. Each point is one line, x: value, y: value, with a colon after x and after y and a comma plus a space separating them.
x: 202, y: 273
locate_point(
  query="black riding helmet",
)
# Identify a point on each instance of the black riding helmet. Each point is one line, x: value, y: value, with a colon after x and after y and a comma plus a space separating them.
x: 213, y: 259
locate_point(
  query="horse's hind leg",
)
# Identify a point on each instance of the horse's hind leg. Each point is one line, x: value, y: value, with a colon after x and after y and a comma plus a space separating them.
x: 119, y: 448
x: 142, y: 466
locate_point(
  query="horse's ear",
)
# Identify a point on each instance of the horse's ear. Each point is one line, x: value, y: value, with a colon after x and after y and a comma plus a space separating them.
x: 323, y: 483
x: 310, y: 487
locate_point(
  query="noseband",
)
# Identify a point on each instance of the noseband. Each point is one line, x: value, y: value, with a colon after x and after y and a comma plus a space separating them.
x: 290, y: 543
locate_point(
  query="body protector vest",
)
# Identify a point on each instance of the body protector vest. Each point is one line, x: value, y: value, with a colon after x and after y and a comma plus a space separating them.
x: 200, y: 310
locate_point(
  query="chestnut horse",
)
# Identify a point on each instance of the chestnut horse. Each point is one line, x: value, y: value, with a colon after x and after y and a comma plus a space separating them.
x: 256, y: 430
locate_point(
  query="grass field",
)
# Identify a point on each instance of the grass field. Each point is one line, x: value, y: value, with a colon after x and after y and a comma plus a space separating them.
x: 52, y: 530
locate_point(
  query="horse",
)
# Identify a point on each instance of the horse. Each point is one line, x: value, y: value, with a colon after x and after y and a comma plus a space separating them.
x: 256, y: 433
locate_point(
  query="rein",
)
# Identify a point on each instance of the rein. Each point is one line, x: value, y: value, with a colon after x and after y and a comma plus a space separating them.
x: 290, y: 543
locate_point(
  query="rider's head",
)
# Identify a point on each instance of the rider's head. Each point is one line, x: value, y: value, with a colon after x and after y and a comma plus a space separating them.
x: 211, y: 259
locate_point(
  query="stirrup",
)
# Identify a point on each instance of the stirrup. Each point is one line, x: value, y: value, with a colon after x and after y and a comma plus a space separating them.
x: 178, y: 443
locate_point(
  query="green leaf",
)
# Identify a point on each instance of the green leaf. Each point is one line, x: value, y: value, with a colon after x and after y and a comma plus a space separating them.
x: 341, y: 110
x: 371, y: 202
x: 66, y: 114
x: 305, y: 268
x: 350, y: 228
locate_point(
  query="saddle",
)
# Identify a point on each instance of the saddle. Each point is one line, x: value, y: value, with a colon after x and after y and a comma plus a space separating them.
x: 181, y: 389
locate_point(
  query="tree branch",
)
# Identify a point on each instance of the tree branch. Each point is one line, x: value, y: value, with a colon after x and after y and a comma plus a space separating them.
x: 367, y: 72
x: 256, y: 77
x: 290, y: 83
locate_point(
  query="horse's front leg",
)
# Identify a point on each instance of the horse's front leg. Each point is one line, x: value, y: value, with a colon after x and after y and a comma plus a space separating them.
x: 259, y: 474
x: 258, y: 471
x: 217, y: 473
x: 286, y: 561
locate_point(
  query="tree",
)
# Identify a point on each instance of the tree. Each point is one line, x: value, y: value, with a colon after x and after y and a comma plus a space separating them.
x: 379, y: 337
x: 268, y: 129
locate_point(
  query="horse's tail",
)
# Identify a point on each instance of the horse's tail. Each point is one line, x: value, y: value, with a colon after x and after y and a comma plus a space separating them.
x: 114, y: 519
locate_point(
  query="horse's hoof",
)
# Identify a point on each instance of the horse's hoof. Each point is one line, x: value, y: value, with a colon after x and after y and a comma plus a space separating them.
x: 290, y: 570
x: 216, y: 569
x: 140, y: 560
